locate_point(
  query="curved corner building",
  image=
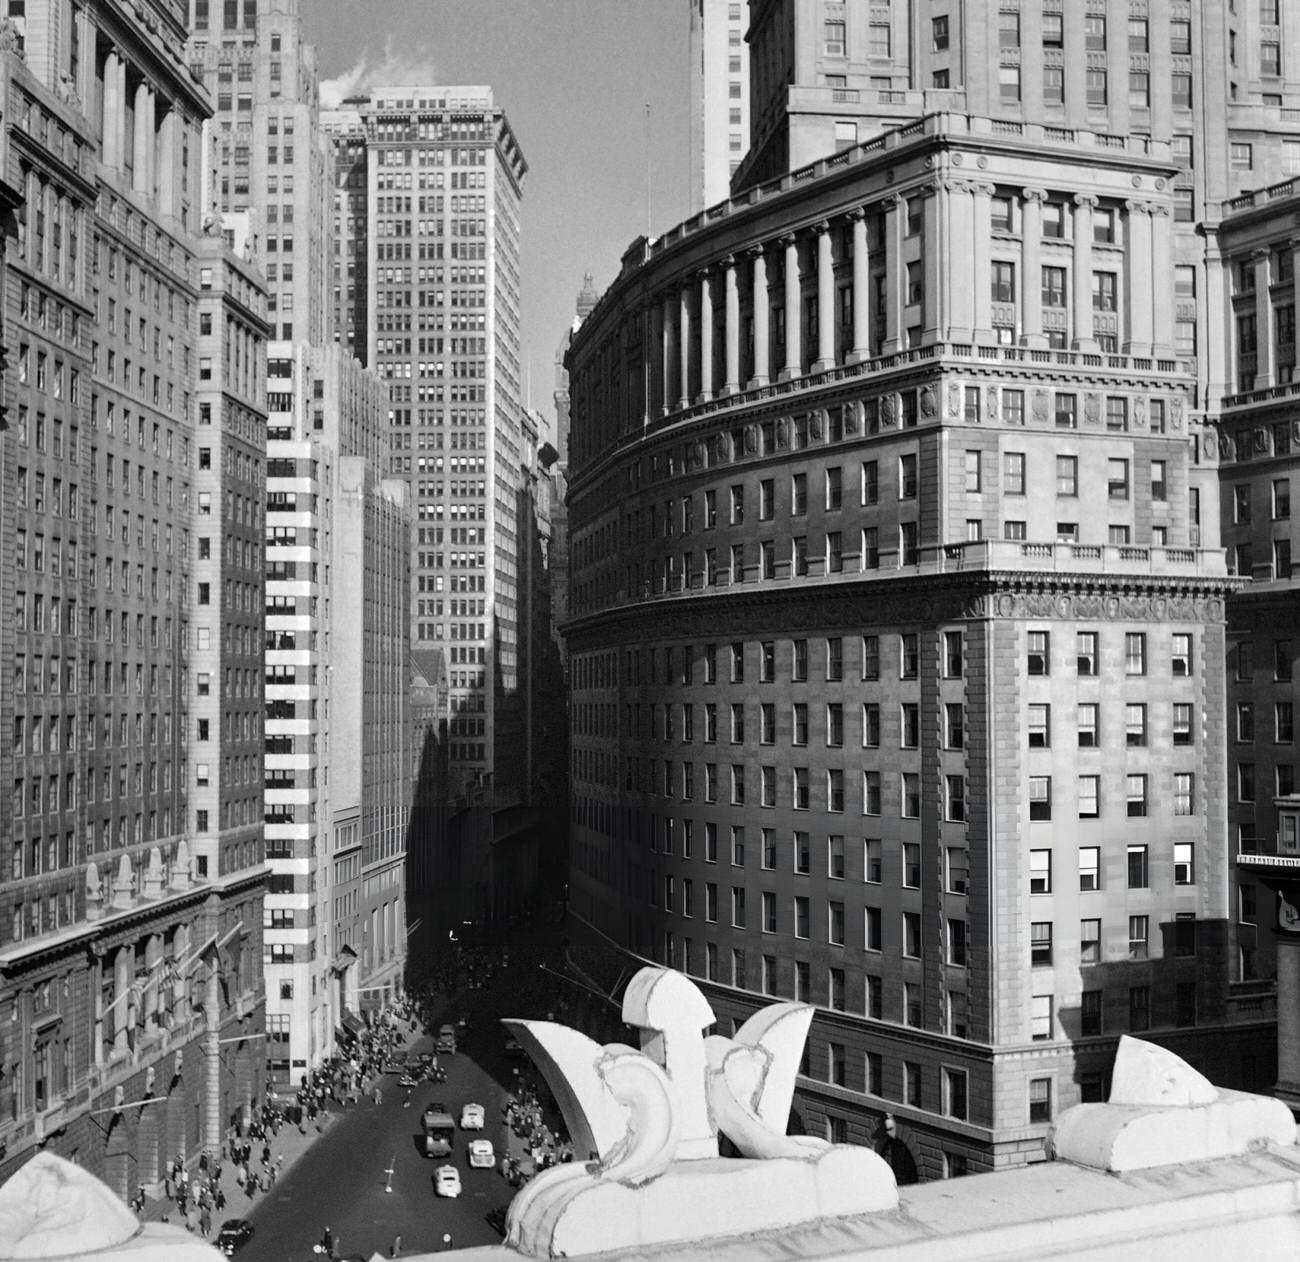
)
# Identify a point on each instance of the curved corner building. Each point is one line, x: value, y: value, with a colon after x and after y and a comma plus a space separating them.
x: 897, y: 630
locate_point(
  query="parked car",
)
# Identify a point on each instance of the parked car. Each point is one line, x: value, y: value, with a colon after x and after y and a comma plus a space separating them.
x: 446, y: 1181
x: 481, y: 1155
x: 471, y: 1117
x: 446, y: 1041
x: 235, y: 1234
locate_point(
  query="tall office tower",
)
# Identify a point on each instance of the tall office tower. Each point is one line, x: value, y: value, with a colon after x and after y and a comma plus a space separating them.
x: 336, y: 877
x: 559, y: 554
x: 1254, y: 444
x: 338, y: 760
x: 131, y: 923
x: 719, y: 89
x: 897, y: 645
x: 430, y: 180
x: 268, y: 156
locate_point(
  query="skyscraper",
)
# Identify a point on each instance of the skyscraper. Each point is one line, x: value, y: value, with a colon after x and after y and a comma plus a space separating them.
x: 719, y: 89
x: 132, y: 920
x: 906, y: 457
x: 337, y: 764
x: 426, y: 288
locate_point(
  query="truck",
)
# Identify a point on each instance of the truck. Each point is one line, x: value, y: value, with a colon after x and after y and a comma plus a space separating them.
x: 445, y: 1044
x: 439, y: 1130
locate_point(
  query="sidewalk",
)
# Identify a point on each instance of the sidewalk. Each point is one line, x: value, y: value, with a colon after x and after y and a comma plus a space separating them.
x: 286, y: 1148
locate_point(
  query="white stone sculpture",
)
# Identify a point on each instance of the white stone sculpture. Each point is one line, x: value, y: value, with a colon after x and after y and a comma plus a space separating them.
x: 1161, y: 1112
x: 650, y: 1118
x: 53, y: 1209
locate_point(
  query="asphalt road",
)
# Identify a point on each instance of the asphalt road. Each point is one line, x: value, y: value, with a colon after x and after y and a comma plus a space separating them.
x: 340, y: 1181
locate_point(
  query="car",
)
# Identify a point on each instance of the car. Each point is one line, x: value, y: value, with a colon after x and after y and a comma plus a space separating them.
x: 408, y: 1079
x: 235, y: 1233
x: 471, y: 1117
x: 514, y: 1048
x: 481, y: 1156
x: 446, y: 1181
x: 446, y: 1041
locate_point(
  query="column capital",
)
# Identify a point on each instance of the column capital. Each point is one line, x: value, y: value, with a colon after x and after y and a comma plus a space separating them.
x: 1086, y: 199
x: 982, y: 189
x: 951, y: 184
x: 1034, y: 194
x: 1159, y: 210
x: 857, y: 215
x: 1261, y: 254
x: 787, y: 239
x: 727, y: 262
x: 893, y: 201
x: 1137, y: 208
x: 757, y: 252
x: 821, y: 227
x: 703, y: 273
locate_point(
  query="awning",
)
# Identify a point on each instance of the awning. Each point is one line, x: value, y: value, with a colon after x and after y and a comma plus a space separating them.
x: 352, y: 1023
x: 346, y: 957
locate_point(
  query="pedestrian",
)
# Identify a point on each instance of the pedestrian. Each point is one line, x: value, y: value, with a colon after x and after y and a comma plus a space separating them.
x: 396, y: 1250
x: 379, y: 1096
x: 220, y: 1199
x: 205, y: 1221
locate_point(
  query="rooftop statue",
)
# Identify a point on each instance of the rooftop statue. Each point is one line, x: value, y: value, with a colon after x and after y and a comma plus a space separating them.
x: 650, y: 1117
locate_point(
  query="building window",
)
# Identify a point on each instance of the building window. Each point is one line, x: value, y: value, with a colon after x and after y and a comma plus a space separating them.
x: 1089, y: 790
x: 1040, y: 1095
x: 1040, y: 944
x: 1067, y: 475
x: 1040, y: 1017
x: 1137, y: 868
x: 954, y: 1091
x: 1003, y: 281
x: 1135, y: 653
x: 1090, y: 942
x: 1136, y: 791
x: 1038, y: 653
x: 1040, y: 871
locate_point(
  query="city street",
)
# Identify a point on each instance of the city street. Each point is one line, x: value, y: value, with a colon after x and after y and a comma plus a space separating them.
x: 340, y: 1181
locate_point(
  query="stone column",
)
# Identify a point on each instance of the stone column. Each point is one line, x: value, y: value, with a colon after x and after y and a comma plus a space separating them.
x: 861, y: 288
x: 894, y: 276
x: 706, y: 336
x: 1265, y: 333
x: 669, y: 353
x: 142, y: 142
x: 1031, y: 280
x: 762, y: 308
x: 1140, y: 278
x: 731, y: 317
x: 168, y: 164
x: 981, y: 236
x: 1162, y: 265
x: 654, y: 353
x: 684, y: 340
x: 935, y: 219
x: 111, y: 120
x: 825, y: 299
x: 1082, y: 268
x: 958, y: 262
x: 793, y: 330
x: 1216, y: 356
x: 123, y: 976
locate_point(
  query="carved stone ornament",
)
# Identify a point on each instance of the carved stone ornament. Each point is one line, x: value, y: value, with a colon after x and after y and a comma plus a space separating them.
x: 991, y: 402
x: 928, y: 405
x: 1039, y: 405
x: 700, y: 453
x: 954, y: 399
x: 1261, y: 440
x: 721, y: 448
x: 1176, y: 413
x: 817, y: 424
x: 1295, y: 431
x: 1139, y: 413
x: 1209, y: 448
x: 886, y: 409
x: 751, y: 440
x: 851, y: 417
x: 650, y: 1119
x: 1092, y: 408
x: 1225, y: 447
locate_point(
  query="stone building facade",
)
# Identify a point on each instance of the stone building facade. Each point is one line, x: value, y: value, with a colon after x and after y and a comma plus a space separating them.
x: 896, y: 629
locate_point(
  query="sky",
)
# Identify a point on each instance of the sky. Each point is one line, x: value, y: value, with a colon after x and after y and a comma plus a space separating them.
x: 575, y: 78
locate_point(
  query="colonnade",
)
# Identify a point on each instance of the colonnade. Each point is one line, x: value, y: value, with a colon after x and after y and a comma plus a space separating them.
x: 142, y: 134
x: 729, y: 325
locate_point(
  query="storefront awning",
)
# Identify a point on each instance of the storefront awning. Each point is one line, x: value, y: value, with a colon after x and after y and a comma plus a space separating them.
x: 352, y: 1023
